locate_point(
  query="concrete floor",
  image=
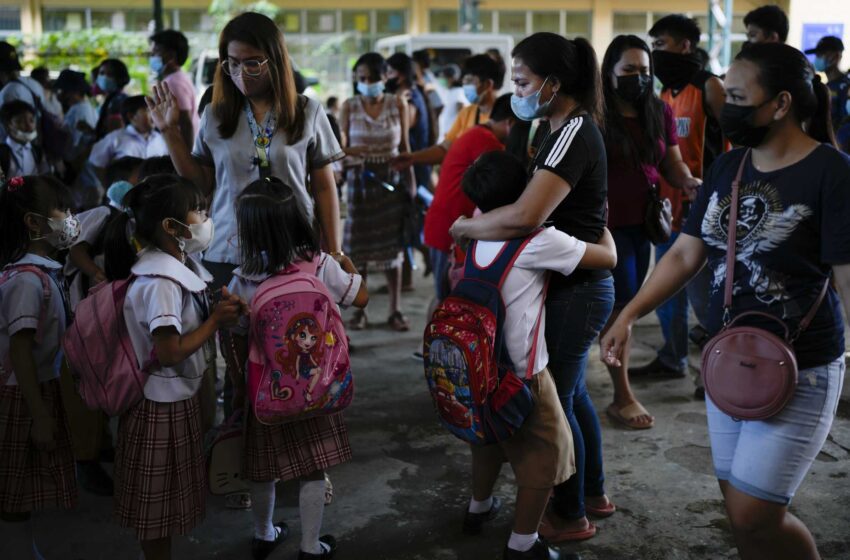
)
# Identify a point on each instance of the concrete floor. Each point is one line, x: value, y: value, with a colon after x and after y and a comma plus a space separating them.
x: 403, y: 495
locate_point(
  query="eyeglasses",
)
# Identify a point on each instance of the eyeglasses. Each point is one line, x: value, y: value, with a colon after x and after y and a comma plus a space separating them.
x: 249, y: 67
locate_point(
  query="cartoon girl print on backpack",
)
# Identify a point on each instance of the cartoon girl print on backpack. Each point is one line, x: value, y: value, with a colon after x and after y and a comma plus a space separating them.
x: 302, y: 351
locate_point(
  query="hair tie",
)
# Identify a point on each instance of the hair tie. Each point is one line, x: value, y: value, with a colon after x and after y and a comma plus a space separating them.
x: 14, y: 183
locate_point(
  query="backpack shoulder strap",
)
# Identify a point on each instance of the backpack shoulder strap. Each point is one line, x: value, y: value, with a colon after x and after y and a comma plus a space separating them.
x: 497, y: 271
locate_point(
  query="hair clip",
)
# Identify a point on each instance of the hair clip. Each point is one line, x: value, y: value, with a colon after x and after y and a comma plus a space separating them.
x: 14, y: 183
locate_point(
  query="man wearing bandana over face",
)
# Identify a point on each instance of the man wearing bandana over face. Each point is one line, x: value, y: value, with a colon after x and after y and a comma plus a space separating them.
x: 696, y: 97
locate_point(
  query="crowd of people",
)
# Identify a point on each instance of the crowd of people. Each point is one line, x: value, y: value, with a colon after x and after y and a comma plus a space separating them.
x: 199, y: 206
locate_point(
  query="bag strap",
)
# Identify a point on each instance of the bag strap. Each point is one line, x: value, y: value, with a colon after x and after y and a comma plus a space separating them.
x: 731, y: 244
x: 807, y: 320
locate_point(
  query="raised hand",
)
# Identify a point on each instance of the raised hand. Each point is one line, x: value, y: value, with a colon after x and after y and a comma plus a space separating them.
x: 162, y: 107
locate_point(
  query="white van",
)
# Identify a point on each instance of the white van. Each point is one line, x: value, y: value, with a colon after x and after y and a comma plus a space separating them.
x: 451, y: 48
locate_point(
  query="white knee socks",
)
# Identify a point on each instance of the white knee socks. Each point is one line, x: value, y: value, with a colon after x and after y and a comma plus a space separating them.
x: 262, y: 508
x: 311, y: 506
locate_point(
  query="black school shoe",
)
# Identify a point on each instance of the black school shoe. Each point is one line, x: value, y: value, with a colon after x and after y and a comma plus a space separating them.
x: 540, y: 551
x: 329, y: 553
x: 260, y: 549
x: 472, y: 522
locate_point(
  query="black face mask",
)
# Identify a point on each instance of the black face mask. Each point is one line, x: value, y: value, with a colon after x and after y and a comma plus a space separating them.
x: 675, y: 70
x: 391, y: 86
x: 736, y: 122
x: 633, y: 87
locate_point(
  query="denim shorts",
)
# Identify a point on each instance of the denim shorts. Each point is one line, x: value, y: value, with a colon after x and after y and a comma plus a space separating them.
x: 768, y: 459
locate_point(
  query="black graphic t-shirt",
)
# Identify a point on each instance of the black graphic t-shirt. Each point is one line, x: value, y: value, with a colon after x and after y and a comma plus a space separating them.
x: 793, y: 224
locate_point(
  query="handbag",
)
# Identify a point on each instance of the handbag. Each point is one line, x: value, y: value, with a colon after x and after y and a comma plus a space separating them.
x: 748, y: 372
x: 658, y: 222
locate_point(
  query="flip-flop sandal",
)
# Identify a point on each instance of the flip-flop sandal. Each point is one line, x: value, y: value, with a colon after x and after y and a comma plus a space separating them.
x: 554, y: 536
x: 626, y: 416
x: 607, y: 511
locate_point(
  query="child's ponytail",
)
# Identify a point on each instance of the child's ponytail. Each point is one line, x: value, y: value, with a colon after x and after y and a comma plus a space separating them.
x: 119, y: 251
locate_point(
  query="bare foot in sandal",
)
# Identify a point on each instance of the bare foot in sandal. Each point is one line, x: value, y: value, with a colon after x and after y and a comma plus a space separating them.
x: 398, y: 322
x: 632, y: 415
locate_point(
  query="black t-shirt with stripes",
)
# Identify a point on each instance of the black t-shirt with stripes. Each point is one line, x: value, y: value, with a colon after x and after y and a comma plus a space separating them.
x: 576, y: 153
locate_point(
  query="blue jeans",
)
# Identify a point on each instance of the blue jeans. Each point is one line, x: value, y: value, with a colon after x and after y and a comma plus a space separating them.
x: 633, y: 250
x: 574, y: 317
x: 673, y: 316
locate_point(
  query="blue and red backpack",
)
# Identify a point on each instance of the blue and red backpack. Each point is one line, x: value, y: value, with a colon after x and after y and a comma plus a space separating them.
x: 479, y: 396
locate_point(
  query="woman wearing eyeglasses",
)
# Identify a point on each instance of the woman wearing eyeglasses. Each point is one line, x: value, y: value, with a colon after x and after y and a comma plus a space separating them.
x: 256, y: 126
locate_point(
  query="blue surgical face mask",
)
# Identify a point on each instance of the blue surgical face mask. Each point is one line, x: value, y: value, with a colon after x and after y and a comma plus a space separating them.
x: 107, y: 83
x: 370, y: 90
x: 820, y: 63
x: 155, y: 63
x: 471, y: 92
x: 529, y: 107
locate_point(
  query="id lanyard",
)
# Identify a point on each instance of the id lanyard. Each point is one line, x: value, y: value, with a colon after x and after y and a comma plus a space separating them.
x: 262, y: 139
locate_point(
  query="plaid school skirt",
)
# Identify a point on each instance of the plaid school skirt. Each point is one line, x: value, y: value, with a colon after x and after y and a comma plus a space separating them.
x: 32, y: 480
x: 160, y: 473
x: 296, y: 449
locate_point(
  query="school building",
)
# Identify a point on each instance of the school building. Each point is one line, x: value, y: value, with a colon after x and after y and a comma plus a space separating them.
x: 357, y: 23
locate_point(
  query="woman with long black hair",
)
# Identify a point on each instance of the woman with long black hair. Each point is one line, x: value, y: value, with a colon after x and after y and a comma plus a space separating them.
x: 641, y: 143
x: 792, y: 235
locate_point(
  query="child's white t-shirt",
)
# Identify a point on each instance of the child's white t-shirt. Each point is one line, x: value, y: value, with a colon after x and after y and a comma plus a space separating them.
x: 342, y: 285
x: 125, y: 142
x: 522, y: 291
x: 21, y: 302
x: 168, y: 293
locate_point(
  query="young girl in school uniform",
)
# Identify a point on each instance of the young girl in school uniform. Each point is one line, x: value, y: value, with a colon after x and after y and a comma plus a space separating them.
x: 36, y: 460
x: 298, y: 450
x: 159, y: 465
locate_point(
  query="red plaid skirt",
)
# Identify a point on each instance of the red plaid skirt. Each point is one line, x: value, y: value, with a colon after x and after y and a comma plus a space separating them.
x: 160, y: 475
x: 32, y: 480
x: 296, y: 449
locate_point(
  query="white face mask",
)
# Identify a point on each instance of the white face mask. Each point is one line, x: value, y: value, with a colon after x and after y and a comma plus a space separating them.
x: 21, y: 136
x: 239, y: 82
x: 202, y: 236
x: 63, y: 231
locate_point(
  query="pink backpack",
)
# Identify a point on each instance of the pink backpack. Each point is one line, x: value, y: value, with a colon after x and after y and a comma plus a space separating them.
x: 101, y: 355
x: 298, y: 364
x: 8, y: 273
